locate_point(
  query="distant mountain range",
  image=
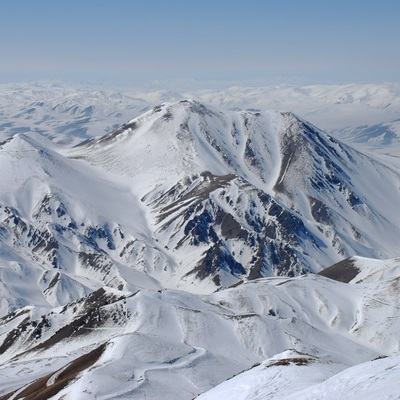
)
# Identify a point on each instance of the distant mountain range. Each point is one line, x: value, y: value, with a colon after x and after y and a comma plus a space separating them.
x: 182, y: 247
x: 69, y: 113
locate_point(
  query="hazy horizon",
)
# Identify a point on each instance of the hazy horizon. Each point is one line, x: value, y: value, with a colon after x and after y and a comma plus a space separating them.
x: 160, y: 43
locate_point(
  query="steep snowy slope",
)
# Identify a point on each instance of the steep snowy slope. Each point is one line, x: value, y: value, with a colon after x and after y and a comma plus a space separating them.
x: 173, y: 344
x: 57, y: 239
x: 232, y: 194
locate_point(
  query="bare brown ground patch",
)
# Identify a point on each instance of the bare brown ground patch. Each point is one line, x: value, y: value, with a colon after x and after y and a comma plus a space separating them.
x: 38, y: 390
x: 343, y: 271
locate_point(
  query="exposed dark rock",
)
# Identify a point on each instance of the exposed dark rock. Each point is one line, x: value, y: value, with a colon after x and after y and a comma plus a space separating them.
x: 53, y: 282
x: 320, y: 211
x: 230, y: 228
x: 343, y: 271
x: 90, y: 317
x: 199, y: 229
x: 115, y: 133
x: 299, y: 361
x: 217, y: 257
x: 14, y: 335
x: 293, y: 146
x: 101, y: 232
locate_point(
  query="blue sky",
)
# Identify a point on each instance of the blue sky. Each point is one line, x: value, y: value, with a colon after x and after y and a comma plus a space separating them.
x: 303, y: 41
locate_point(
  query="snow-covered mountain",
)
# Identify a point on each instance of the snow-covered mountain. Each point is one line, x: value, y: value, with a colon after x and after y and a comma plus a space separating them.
x: 196, y: 198
x: 181, y: 248
x: 233, y: 194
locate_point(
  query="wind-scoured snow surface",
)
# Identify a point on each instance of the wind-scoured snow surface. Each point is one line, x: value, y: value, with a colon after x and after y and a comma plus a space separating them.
x: 182, y: 247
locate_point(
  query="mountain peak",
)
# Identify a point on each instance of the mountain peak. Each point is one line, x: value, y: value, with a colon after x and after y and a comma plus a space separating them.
x: 295, y: 195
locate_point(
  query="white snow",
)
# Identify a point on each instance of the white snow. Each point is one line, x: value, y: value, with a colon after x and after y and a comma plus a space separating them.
x: 313, y: 337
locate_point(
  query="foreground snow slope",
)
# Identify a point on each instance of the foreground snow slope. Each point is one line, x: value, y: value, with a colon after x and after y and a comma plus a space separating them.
x: 294, y: 374
x: 291, y: 375
x: 173, y: 344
